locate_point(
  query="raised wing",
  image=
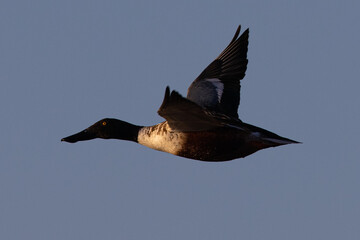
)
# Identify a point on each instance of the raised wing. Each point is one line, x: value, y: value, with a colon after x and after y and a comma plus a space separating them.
x: 217, y: 88
x: 184, y: 115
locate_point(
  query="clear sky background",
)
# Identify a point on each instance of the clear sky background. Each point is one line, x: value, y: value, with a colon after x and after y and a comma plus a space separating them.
x: 66, y: 64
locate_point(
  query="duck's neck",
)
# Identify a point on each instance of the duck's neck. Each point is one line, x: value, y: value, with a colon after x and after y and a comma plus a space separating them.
x: 126, y: 131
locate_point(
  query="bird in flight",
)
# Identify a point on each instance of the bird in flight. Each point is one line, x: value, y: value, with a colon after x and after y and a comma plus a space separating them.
x: 203, y: 126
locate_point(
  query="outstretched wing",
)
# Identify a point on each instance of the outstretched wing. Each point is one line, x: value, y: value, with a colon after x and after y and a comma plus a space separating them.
x: 217, y: 88
x: 184, y: 115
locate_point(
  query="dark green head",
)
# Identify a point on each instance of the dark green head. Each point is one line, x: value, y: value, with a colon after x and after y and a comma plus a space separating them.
x: 107, y: 128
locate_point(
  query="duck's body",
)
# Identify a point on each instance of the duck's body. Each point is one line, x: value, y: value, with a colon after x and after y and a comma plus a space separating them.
x: 205, y: 125
x: 219, y: 144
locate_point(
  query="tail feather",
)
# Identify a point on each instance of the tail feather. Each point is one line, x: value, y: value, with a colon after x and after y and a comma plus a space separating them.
x: 279, y: 140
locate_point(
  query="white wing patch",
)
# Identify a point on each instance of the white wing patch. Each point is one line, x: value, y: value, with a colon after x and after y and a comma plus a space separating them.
x: 219, y: 86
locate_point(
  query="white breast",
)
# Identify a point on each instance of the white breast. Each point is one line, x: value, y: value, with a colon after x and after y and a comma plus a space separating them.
x: 160, y: 137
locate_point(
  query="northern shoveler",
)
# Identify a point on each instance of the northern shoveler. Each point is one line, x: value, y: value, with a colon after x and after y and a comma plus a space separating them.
x: 203, y: 126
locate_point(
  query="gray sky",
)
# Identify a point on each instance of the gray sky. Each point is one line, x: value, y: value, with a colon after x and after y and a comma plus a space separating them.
x: 66, y: 64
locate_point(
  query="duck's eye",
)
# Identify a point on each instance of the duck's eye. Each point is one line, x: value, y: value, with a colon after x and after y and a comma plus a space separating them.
x: 103, y: 123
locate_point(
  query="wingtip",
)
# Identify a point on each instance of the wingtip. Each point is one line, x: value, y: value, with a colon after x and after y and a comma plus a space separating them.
x: 236, y: 34
x: 245, y: 34
x: 166, y: 98
x: 167, y: 91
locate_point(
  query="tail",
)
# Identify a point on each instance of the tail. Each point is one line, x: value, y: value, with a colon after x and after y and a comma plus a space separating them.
x: 277, y: 141
x: 267, y: 138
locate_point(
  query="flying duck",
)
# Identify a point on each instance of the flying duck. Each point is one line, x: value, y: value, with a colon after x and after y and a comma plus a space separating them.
x: 203, y: 126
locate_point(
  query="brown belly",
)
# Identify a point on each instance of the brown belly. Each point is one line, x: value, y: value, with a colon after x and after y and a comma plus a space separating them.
x: 216, y: 146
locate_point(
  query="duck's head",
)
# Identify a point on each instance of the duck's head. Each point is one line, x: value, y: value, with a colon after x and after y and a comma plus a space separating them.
x: 107, y: 128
